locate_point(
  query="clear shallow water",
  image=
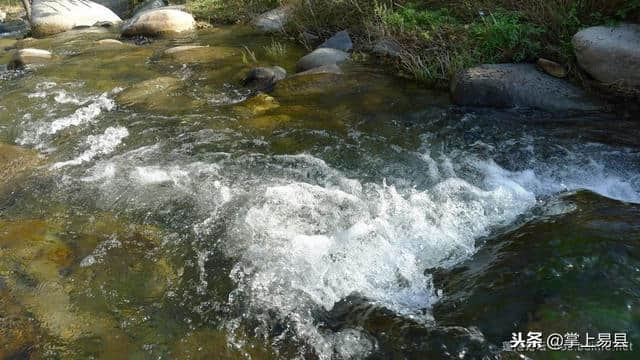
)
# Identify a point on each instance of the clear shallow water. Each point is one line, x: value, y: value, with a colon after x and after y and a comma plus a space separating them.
x: 188, y: 223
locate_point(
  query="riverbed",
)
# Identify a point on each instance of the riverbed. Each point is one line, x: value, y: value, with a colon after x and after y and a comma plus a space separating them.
x: 347, y: 216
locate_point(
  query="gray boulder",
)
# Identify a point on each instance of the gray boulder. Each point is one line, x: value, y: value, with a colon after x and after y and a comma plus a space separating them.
x: 3, y: 16
x: 273, y: 20
x: 340, y: 41
x: 518, y: 85
x: 321, y: 57
x: 54, y: 16
x: 611, y: 54
x: 264, y: 78
x: 159, y: 22
x: 24, y: 57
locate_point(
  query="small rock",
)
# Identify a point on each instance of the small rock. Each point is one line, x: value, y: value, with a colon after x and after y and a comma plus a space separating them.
x: 203, y: 25
x: 611, y: 54
x: 513, y: 85
x: 110, y: 42
x: 273, y: 20
x: 54, y: 16
x: 159, y: 22
x: 24, y: 57
x: 339, y: 41
x: 258, y: 104
x: 321, y: 57
x: 264, y: 78
x: 387, y: 47
x: 552, y: 68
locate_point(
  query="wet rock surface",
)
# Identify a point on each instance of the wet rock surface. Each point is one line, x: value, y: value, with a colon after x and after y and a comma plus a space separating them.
x: 321, y: 57
x: 551, y: 273
x: 264, y: 78
x: 522, y: 85
x: 29, y: 56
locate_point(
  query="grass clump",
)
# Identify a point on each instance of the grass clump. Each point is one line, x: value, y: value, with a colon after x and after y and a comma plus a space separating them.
x: 440, y: 37
x: 275, y: 50
x: 229, y: 11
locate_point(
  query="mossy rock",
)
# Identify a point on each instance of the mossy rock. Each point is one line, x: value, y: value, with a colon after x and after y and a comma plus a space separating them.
x: 188, y: 54
x: 258, y: 104
x: 161, y: 94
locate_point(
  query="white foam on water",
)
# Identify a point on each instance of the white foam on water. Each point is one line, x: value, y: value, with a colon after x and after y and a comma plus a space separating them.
x: 303, y: 246
x: 103, y: 144
x: 87, y: 113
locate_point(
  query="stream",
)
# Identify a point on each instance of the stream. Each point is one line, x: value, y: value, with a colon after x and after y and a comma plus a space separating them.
x: 157, y: 209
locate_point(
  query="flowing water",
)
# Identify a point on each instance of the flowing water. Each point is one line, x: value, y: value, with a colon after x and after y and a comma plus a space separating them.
x: 152, y: 207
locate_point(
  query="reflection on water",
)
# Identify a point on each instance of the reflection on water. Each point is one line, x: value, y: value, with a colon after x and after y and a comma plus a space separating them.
x: 157, y: 209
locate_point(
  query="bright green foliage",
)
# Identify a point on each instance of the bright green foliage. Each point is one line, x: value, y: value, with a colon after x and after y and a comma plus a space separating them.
x: 504, y: 36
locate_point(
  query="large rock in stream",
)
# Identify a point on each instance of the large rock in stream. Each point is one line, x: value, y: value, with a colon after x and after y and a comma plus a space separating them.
x: 321, y: 57
x: 568, y: 272
x: 611, y: 54
x: 273, y: 20
x: 519, y: 85
x: 159, y: 22
x: 54, y: 16
x: 264, y: 78
x: 24, y: 57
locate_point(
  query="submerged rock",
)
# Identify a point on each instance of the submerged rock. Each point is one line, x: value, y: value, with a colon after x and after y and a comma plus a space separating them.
x: 340, y: 41
x: 15, y: 160
x: 148, y: 92
x: 24, y: 57
x: 55, y: 16
x: 264, y: 78
x: 321, y: 57
x: 273, y: 20
x: 256, y: 105
x: 163, y: 94
x: 110, y: 43
x: 199, y: 54
x: 611, y: 54
x: 571, y: 272
x: 159, y: 22
x: 518, y: 85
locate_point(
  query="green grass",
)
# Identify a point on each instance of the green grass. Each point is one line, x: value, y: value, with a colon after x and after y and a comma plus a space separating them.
x: 229, y: 11
x: 275, y: 50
